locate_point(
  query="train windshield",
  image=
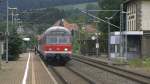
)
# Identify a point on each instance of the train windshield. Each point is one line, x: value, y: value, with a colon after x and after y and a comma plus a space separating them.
x: 60, y: 32
x: 63, y: 40
x: 51, y: 40
x: 57, y: 40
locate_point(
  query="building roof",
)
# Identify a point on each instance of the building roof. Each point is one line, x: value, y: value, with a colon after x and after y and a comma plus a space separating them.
x: 90, y: 28
x: 64, y: 23
x: 72, y: 26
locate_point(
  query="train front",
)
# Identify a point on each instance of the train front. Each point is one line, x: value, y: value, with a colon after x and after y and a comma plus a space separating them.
x: 58, y: 47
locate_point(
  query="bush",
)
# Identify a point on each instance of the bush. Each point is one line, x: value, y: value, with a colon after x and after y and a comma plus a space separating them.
x: 140, y: 62
x: 146, y: 62
x: 136, y: 63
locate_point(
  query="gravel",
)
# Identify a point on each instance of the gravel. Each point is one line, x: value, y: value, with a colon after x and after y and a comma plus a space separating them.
x: 99, y: 76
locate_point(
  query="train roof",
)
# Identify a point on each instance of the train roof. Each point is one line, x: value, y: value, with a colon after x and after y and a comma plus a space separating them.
x: 56, y: 28
x: 51, y: 29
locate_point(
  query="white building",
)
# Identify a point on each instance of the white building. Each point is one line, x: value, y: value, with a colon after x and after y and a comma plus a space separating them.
x: 138, y: 17
x: 137, y: 29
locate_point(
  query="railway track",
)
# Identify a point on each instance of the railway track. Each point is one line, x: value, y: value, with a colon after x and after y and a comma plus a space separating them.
x: 68, y: 75
x: 139, y: 78
x: 61, y: 75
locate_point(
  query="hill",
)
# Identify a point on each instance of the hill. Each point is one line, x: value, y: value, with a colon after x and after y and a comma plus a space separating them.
x: 34, y: 4
x: 79, y: 6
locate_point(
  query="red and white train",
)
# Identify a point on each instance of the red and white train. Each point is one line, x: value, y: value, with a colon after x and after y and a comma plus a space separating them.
x: 55, y: 45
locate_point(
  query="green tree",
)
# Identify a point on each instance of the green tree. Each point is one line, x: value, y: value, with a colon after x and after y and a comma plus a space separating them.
x: 14, y: 46
x: 39, y: 20
x: 108, y: 5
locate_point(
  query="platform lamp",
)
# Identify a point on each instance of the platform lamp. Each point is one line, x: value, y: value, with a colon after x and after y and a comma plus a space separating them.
x: 95, y: 37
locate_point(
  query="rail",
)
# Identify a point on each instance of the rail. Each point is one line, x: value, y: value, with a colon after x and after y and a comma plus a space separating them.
x: 137, y: 77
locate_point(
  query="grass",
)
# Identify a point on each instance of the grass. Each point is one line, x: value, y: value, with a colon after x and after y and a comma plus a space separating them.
x: 144, y: 63
x: 119, y: 61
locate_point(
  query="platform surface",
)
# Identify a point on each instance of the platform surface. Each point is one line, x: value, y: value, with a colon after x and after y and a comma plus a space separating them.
x: 16, y: 72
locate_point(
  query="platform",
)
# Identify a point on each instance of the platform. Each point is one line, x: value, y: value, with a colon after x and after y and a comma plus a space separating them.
x: 29, y: 69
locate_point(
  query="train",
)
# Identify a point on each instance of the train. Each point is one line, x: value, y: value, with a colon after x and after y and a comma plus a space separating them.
x: 55, y: 45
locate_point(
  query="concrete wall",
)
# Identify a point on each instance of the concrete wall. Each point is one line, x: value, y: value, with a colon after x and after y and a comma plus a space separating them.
x: 145, y: 45
x: 145, y: 15
x: 131, y: 16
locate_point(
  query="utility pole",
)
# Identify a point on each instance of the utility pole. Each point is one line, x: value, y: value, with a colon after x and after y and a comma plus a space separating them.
x: 108, y: 19
x: 7, y: 34
x: 121, y: 29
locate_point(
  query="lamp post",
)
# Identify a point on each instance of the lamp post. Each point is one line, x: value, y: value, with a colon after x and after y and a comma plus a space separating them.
x: 7, y: 28
x: 97, y: 45
x: 12, y: 13
x: 95, y: 37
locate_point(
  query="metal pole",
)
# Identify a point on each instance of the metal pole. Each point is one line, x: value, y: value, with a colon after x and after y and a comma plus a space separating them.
x: 108, y: 20
x: 126, y: 40
x: 12, y: 17
x: 97, y: 43
x: 121, y: 33
x: 0, y: 51
x: 109, y: 39
x: 7, y: 34
x: 79, y: 41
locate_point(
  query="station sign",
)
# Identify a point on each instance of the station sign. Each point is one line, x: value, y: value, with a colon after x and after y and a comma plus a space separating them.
x: 97, y: 45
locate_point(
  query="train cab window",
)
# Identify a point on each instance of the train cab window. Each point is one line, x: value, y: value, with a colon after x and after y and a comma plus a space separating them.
x: 64, y: 40
x: 51, y: 40
x: 62, y: 33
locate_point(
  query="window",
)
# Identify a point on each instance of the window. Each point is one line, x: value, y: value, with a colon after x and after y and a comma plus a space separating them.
x: 64, y: 40
x: 51, y: 40
x: 60, y: 32
x: 57, y: 40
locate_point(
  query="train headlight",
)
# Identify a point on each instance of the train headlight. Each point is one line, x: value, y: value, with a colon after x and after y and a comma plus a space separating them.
x: 50, y: 49
x: 65, y: 49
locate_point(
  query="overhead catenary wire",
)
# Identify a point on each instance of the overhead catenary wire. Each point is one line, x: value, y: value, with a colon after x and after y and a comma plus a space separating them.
x: 100, y: 19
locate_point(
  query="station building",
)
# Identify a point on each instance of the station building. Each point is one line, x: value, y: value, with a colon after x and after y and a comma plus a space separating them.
x: 136, y: 30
